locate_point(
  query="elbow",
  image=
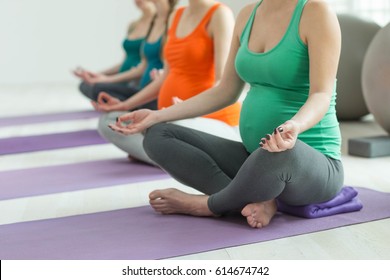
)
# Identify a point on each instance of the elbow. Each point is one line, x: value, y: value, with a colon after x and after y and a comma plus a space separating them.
x: 226, y: 96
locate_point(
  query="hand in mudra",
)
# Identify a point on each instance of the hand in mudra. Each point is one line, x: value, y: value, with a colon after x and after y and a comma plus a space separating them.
x: 283, y: 137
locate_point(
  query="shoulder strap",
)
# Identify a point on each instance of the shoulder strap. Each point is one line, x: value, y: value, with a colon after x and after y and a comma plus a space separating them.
x: 176, y: 20
x: 248, y: 26
x: 297, y: 15
x: 209, y: 14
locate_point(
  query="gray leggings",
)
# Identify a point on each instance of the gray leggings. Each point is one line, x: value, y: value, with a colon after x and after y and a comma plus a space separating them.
x: 234, y: 178
x: 122, y: 91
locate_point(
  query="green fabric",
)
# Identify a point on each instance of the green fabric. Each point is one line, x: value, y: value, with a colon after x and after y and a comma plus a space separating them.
x: 152, y: 53
x: 279, y: 86
x: 133, y: 53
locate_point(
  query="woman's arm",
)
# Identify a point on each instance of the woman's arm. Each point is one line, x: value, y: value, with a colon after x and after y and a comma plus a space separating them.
x: 133, y: 73
x: 115, y: 69
x: 112, y: 70
x: 148, y: 93
x: 221, y: 28
x: 226, y: 92
x: 213, y: 99
x: 321, y: 32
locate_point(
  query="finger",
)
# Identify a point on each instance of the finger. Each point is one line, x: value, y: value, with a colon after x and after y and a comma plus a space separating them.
x: 263, y: 142
x: 118, y: 129
x: 271, y: 142
x: 176, y: 100
x: 126, y: 130
x: 280, y: 143
x: 95, y: 105
x: 77, y: 73
x: 103, y: 97
x: 92, y: 74
x: 125, y: 117
x: 287, y: 126
x: 87, y: 79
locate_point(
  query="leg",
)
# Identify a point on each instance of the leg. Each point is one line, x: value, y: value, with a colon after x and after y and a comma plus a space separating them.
x: 122, y: 91
x: 131, y: 144
x: 86, y: 90
x: 263, y: 177
x: 298, y: 177
x: 199, y: 160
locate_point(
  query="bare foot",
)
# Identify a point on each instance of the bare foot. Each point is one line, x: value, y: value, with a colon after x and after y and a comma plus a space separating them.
x: 173, y: 201
x: 259, y: 214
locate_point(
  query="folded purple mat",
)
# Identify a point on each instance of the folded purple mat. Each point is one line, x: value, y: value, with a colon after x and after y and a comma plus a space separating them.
x: 15, y: 145
x: 51, y: 117
x: 345, y: 201
x: 73, y: 177
x: 140, y: 233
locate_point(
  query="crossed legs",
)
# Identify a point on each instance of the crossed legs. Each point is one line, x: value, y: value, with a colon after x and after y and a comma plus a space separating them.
x: 234, y: 180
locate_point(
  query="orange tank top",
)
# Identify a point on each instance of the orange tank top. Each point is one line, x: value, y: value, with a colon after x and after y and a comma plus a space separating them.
x: 191, y: 67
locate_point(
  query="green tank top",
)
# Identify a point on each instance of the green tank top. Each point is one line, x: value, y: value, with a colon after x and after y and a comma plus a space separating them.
x: 132, y: 48
x: 279, y: 86
x: 152, y: 53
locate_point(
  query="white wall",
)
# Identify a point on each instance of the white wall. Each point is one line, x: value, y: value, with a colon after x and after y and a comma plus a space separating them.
x: 42, y: 40
x: 236, y: 5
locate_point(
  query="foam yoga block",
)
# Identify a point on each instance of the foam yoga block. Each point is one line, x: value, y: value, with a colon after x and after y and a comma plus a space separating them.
x: 356, y: 37
x: 369, y: 147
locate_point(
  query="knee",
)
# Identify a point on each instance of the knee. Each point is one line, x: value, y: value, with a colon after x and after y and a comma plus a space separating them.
x: 96, y: 90
x: 86, y: 89
x: 279, y: 161
x: 103, y: 123
x: 153, y: 138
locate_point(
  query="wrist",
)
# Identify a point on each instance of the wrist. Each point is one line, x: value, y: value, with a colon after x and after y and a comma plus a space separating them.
x: 298, y: 125
x: 159, y: 116
x: 122, y: 106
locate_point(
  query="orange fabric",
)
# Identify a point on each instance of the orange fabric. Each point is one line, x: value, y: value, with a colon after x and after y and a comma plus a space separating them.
x: 191, y: 67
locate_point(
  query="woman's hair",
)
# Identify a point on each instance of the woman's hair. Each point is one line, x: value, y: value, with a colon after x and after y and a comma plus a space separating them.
x: 172, y: 5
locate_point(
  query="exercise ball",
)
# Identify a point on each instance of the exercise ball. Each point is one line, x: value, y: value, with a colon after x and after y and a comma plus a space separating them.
x: 357, y: 34
x: 376, y: 77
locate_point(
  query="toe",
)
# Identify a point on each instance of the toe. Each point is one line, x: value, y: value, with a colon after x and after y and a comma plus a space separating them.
x: 155, y: 195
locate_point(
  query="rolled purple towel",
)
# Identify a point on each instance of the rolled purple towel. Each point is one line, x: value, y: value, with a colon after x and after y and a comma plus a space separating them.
x: 345, y: 201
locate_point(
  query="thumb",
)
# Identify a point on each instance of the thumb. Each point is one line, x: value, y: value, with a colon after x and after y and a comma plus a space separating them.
x: 103, y: 97
x: 125, y: 117
x: 287, y: 126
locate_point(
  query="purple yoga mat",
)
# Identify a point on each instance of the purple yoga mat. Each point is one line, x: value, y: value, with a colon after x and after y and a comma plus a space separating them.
x: 140, y: 233
x: 73, y: 177
x: 52, y: 117
x: 15, y: 145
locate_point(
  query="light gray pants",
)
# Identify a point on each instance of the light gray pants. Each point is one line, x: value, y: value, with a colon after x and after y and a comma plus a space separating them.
x: 233, y: 178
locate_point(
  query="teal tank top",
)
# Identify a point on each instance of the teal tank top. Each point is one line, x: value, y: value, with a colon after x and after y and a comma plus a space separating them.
x: 152, y: 53
x: 133, y: 53
x: 279, y: 86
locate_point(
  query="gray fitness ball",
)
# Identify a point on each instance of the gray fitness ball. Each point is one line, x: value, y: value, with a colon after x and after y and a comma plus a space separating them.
x: 357, y: 34
x: 376, y: 77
